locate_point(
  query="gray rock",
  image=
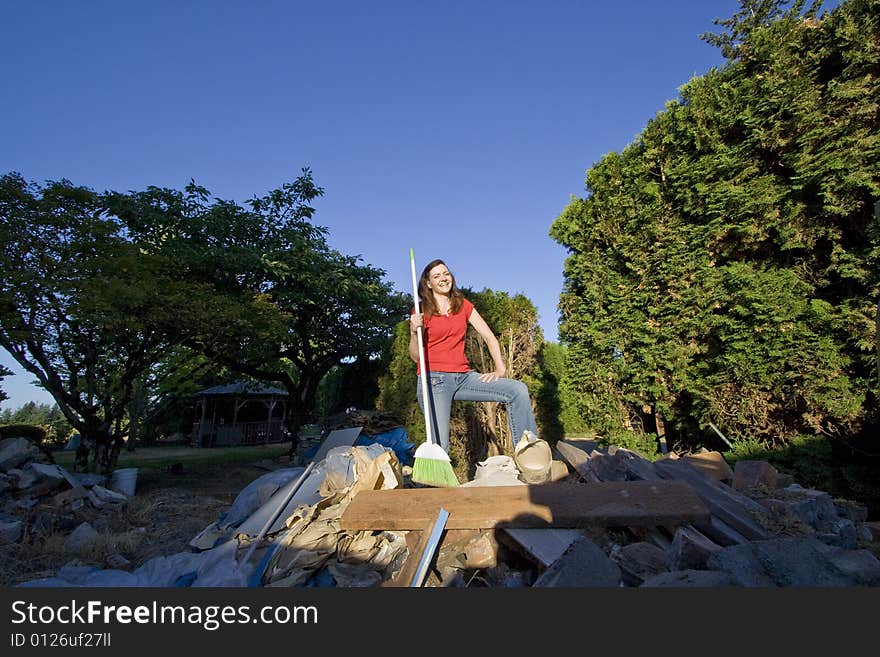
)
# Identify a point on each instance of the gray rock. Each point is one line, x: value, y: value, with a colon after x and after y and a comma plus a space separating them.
x: 639, y: 561
x: 690, y: 578
x: 816, y: 508
x: 843, y: 534
x: 16, y: 451
x: 793, y: 561
x: 10, y: 529
x: 81, y: 537
x: 690, y: 549
x: 582, y: 564
x: 741, y: 563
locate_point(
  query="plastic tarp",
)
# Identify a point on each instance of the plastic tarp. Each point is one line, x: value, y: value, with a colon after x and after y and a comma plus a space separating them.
x: 216, y: 567
x: 253, y: 496
x: 396, y: 439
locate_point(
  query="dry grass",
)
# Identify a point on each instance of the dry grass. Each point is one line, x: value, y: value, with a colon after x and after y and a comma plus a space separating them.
x: 167, y: 512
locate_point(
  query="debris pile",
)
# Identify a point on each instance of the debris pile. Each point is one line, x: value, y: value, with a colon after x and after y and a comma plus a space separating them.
x: 37, y: 496
x: 606, y: 517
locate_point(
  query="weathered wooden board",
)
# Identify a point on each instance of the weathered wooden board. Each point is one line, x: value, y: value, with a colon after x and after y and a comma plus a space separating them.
x: 730, y: 506
x: 556, y: 504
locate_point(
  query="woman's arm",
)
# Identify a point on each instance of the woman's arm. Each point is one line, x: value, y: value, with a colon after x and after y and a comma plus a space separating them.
x: 485, y: 332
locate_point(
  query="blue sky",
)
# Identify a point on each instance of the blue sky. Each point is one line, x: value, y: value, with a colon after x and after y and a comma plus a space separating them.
x: 461, y: 129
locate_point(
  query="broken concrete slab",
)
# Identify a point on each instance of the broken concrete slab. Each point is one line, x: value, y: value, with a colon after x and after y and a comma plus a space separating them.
x: 720, y: 532
x: 10, y: 528
x: 583, y: 564
x: 732, y: 507
x: 68, y: 496
x: 640, y: 561
x: 23, y: 479
x: 690, y: 579
x: 544, y: 546
x: 814, y: 507
x: 794, y: 561
x: 558, y: 470
x: 15, y: 452
x: 576, y: 455
x: 748, y: 474
x: 101, y: 497
x: 47, y: 471
x: 712, y: 464
x: 81, y: 537
x: 690, y: 549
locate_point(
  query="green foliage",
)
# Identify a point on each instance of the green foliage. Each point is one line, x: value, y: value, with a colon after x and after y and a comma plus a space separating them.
x: 55, y: 427
x: 276, y: 302
x: 397, y: 386
x: 724, y: 266
x: 4, y: 372
x: 81, y: 307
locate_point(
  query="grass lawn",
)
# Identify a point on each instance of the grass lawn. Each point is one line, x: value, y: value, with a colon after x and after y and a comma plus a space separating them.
x: 160, y: 458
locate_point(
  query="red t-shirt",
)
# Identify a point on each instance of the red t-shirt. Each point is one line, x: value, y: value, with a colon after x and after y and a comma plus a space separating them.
x: 444, y: 349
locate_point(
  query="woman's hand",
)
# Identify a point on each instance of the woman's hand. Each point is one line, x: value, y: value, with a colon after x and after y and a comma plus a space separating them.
x: 415, y: 321
x: 488, y: 377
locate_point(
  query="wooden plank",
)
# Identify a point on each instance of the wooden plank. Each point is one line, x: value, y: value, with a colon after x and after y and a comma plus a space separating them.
x: 555, y: 504
x: 731, y: 507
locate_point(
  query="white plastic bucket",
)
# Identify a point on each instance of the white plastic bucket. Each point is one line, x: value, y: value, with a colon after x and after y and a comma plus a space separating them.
x: 124, y: 481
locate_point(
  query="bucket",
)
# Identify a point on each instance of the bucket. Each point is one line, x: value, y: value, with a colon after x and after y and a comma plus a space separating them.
x: 533, y: 459
x: 124, y: 481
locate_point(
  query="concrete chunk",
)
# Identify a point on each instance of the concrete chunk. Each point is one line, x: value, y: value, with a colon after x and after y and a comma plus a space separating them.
x: 10, y: 528
x: 582, y: 564
x: 690, y: 578
x: 81, y: 537
x: 639, y: 561
x: 751, y: 474
x: 790, y: 561
x: 712, y: 464
x: 816, y: 508
x: 16, y: 451
x: 690, y: 549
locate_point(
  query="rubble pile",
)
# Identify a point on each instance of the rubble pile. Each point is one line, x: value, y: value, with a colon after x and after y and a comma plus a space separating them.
x: 763, y: 530
x: 42, y: 502
x: 756, y: 528
x: 38, y: 496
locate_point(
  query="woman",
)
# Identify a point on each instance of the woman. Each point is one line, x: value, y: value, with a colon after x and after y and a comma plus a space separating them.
x: 444, y: 318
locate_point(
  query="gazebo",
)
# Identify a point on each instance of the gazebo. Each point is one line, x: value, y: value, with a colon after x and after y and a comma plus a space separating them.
x: 241, y: 413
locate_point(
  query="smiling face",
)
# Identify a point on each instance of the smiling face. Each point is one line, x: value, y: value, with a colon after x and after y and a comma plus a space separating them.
x: 440, y: 281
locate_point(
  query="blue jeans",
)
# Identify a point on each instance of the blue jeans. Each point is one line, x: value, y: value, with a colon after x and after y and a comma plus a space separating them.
x: 466, y: 386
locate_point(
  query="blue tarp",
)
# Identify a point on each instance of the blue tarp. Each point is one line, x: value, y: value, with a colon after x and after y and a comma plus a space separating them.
x: 396, y: 439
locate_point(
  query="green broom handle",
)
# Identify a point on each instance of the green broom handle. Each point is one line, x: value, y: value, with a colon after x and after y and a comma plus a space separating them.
x: 424, y: 374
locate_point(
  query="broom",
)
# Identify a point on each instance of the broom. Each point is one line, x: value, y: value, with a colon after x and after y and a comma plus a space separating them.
x: 431, y: 466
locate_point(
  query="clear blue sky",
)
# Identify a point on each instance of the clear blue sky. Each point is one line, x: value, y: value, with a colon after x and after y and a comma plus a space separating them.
x: 461, y: 129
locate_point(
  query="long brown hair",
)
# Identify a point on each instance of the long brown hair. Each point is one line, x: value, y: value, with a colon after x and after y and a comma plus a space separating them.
x: 426, y: 297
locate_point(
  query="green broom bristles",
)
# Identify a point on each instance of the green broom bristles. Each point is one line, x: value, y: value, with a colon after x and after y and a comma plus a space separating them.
x: 433, y: 472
